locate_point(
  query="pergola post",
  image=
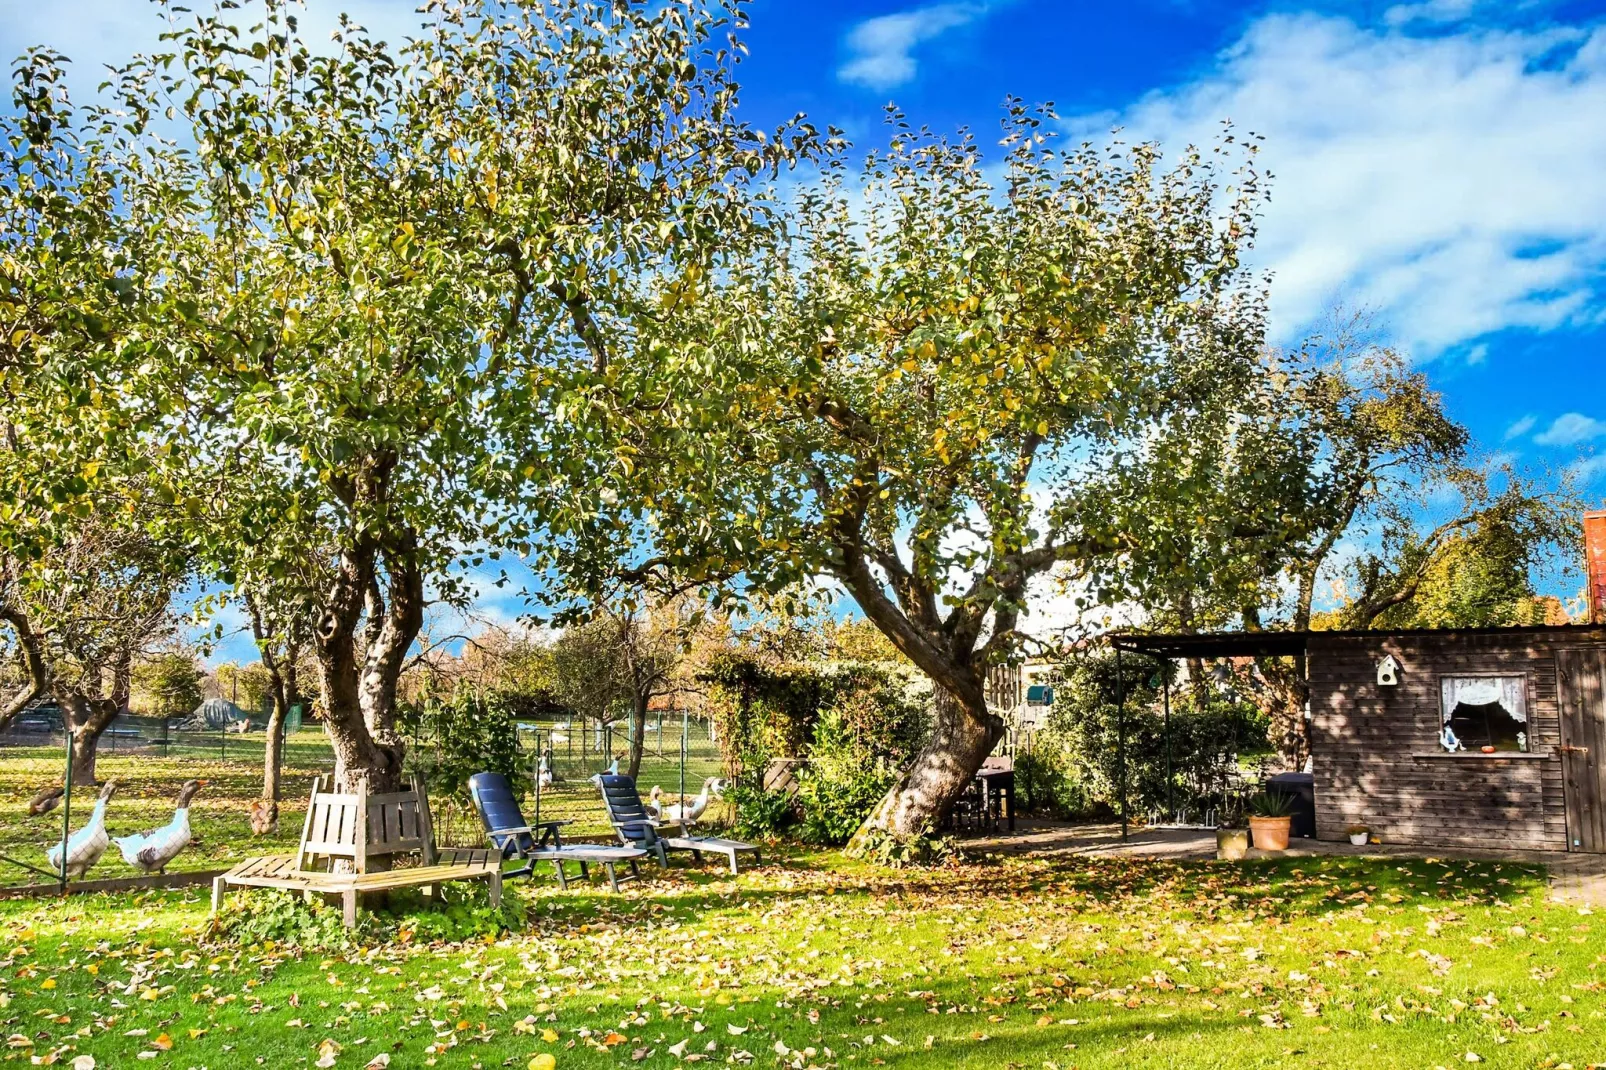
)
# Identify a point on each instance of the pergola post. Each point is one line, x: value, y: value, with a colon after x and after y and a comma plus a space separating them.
x: 1120, y: 736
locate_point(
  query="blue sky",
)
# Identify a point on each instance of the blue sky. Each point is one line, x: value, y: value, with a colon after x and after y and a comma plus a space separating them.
x: 1441, y: 163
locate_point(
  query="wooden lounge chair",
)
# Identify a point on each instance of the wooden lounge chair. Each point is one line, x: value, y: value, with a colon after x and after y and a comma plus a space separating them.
x: 512, y: 837
x: 637, y: 829
x: 344, y: 833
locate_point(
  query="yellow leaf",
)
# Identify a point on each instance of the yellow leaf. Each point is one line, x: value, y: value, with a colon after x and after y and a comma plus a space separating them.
x: 164, y: 1042
x: 549, y: 1035
x: 543, y: 1062
x: 48, y: 982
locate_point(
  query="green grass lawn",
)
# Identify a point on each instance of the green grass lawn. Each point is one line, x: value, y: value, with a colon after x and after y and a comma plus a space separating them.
x: 1020, y: 963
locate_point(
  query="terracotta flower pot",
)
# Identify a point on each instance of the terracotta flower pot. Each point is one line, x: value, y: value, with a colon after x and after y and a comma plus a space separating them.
x: 1271, y: 833
x: 1232, y: 844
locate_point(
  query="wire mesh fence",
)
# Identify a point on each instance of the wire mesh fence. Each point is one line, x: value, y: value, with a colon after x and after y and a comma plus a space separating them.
x: 560, y: 758
x: 149, y: 759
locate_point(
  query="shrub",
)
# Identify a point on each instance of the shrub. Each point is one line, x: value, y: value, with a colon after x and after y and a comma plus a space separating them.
x: 762, y: 814
x: 907, y: 852
x: 456, y: 913
x: 450, y: 740
x: 1074, y: 763
x: 861, y: 742
x: 762, y: 711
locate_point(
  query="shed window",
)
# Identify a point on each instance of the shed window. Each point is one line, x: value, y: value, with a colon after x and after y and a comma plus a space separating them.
x: 1484, y: 711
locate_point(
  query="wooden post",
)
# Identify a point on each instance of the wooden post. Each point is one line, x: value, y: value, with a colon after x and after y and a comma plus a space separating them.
x: 1120, y: 737
x: 66, y: 804
x: 1165, y: 683
x: 360, y: 851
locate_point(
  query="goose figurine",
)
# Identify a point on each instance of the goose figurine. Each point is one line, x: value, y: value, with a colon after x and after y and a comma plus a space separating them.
x: 85, y: 846
x: 543, y: 773
x: 152, y: 851
x: 684, y: 813
x: 655, y: 804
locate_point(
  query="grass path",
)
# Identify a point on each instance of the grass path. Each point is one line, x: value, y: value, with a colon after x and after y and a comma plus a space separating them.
x: 1019, y: 963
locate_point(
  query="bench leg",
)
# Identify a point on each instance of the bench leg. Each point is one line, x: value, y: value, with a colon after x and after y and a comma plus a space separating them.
x: 733, y: 864
x: 496, y: 890
x: 219, y: 886
x: 563, y: 878
x: 585, y: 870
x: 348, y: 908
x: 635, y: 870
x: 697, y: 856
x: 613, y: 878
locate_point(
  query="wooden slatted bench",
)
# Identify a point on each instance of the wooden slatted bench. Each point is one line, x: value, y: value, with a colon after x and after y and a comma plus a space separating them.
x: 343, y: 832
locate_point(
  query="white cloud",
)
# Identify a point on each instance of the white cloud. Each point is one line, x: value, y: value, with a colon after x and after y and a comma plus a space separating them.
x: 1569, y: 429
x: 1586, y: 470
x: 96, y: 33
x: 1521, y: 427
x: 1453, y: 183
x: 882, y: 48
x: 1431, y: 11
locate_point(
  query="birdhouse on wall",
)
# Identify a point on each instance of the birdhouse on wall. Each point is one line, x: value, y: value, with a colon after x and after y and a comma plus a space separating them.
x: 1388, y: 671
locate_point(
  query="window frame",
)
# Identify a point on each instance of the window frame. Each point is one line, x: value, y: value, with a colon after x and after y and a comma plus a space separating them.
x: 1527, y: 707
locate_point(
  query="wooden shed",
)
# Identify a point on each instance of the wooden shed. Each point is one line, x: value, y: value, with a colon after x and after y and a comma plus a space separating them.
x: 1476, y: 737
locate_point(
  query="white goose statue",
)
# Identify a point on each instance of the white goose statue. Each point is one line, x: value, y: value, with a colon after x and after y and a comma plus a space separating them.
x: 684, y: 813
x: 85, y: 846
x: 152, y: 851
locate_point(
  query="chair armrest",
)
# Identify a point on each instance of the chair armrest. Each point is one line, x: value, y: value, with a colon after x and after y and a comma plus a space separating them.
x: 511, y: 830
x: 648, y: 827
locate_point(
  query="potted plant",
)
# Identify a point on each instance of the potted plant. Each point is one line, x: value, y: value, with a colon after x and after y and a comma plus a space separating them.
x: 1271, y: 814
x: 1358, y: 834
x: 1232, y: 835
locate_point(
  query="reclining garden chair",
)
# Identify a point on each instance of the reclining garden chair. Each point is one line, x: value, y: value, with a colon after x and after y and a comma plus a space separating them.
x: 510, y: 835
x: 636, y: 828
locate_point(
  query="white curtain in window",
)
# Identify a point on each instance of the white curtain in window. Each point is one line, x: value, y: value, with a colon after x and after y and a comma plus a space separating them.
x: 1510, y: 691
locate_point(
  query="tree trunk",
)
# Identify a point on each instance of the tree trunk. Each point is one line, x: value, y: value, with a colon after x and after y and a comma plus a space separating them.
x: 963, y: 735
x: 85, y: 719
x: 638, y: 732
x: 359, y: 690
x: 36, y: 672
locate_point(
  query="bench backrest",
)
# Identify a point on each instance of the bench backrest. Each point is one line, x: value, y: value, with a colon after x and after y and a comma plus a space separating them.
x: 346, y: 827
x: 499, y: 810
x: 625, y: 811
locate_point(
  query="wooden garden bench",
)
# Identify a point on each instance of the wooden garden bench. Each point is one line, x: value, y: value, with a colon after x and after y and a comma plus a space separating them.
x: 344, y: 833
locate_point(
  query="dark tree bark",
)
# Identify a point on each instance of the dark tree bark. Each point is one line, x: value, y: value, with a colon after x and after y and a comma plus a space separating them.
x: 85, y: 719
x: 638, y: 731
x: 36, y: 670
x: 963, y: 735
x: 284, y: 692
x: 377, y: 593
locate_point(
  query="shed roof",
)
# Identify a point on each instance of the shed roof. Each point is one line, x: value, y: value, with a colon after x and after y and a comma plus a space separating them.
x: 1286, y: 644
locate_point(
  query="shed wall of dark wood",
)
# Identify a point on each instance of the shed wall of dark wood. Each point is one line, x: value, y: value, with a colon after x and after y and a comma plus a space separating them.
x: 1376, y: 754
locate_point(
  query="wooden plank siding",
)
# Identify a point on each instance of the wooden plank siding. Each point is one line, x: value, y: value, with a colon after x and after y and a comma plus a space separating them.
x: 1376, y: 756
